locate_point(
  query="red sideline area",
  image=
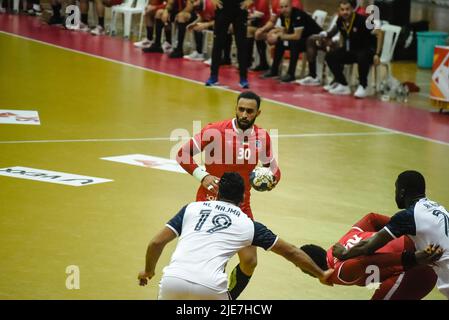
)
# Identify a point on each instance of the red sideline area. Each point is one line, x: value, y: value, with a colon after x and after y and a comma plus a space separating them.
x: 372, y: 111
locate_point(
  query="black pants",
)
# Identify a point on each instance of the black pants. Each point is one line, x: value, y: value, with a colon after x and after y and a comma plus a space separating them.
x: 338, y: 58
x: 230, y: 13
x: 295, y: 48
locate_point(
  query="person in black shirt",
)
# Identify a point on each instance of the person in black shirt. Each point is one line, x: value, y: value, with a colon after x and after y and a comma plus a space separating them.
x: 297, y: 26
x: 359, y: 46
x: 230, y: 12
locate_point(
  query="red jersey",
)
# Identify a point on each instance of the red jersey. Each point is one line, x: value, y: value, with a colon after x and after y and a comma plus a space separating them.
x: 388, y: 258
x: 207, y: 11
x: 276, y: 9
x: 261, y: 6
x: 227, y: 149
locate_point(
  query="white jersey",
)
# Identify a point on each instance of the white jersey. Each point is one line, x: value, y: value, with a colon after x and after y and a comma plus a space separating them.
x: 210, y: 233
x: 426, y: 222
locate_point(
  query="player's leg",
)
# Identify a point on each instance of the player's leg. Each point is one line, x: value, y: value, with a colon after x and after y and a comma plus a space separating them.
x: 413, y: 284
x: 157, y: 46
x: 242, y: 273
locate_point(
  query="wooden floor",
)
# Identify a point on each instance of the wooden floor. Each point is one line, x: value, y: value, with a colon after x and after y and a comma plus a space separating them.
x: 330, y: 179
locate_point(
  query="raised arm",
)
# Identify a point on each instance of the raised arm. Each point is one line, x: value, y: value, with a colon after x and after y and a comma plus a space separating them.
x: 364, y: 247
x: 300, y: 259
x: 154, y: 251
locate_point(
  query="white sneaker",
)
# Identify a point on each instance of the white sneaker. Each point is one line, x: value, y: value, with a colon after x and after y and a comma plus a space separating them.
x: 331, y: 86
x: 208, y: 61
x: 145, y: 43
x: 195, y: 56
x: 361, y: 92
x: 2, y: 10
x: 340, y: 90
x: 166, y: 47
x: 97, y: 31
x: 309, y: 81
x: 81, y: 27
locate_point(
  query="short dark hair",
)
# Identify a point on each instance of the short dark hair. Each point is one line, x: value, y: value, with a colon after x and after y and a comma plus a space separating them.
x: 317, y: 254
x: 231, y: 187
x: 249, y: 95
x: 412, y: 182
x: 353, y: 3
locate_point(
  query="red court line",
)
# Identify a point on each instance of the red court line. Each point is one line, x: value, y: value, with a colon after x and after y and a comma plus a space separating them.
x: 371, y: 111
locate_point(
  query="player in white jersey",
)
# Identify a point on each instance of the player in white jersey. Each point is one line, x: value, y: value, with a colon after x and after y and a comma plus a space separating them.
x: 424, y: 221
x: 210, y: 233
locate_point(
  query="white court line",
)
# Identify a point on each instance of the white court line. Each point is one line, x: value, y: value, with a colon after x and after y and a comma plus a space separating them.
x: 299, y: 135
x: 231, y: 90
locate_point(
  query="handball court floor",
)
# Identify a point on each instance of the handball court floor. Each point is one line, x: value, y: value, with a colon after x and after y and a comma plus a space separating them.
x: 99, y: 97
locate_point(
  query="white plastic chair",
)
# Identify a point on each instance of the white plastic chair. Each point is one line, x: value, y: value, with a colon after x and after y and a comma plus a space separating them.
x: 320, y: 17
x: 128, y: 8
x: 391, y: 36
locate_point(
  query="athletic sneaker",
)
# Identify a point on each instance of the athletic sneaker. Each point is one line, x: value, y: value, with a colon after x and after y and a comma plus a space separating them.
x: 177, y: 53
x: 81, y: 27
x: 212, y: 81
x: 340, y: 90
x: 331, y: 86
x: 154, y: 48
x: 166, y: 47
x: 145, y: 43
x: 244, y: 84
x: 309, y: 81
x: 195, y: 56
x: 287, y: 78
x: 361, y: 92
x: 97, y: 31
x: 208, y: 61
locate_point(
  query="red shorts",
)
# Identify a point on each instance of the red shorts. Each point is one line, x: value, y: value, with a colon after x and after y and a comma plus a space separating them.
x: 110, y: 3
x: 204, y: 195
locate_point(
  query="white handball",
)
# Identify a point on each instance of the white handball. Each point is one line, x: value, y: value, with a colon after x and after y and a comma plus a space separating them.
x: 262, y: 179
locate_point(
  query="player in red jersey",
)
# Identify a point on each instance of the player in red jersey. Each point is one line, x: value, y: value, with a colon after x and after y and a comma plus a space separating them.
x: 232, y: 145
x: 402, y: 273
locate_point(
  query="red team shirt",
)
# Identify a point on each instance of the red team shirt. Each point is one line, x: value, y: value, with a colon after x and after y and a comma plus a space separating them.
x: 416, y: 283
x: 261, y: 6
x: 207, y: 11
x: 227, y: 149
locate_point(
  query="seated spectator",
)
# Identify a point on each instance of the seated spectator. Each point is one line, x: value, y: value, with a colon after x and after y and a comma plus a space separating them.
x: 205, y: 11
x: 315, y: 43
x: 296, y: 27
x: 150, y: 12
x: 359, y: 46
x: 182, y: 19
x: 164, y: 18
x: 258, y: 16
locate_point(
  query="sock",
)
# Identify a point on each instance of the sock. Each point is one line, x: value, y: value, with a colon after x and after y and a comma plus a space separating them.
x: 150, y: 33
x: 56, y: 10
x: 238, y: 282
x: 101, y: 22
x: 250, y: 51
x: 181, y: 34
x: 167, y: 30
x: 312, y: 69
x: 262, y: 51
x: 84, y: 18
x: 159, y: 27
x: 198, y: 41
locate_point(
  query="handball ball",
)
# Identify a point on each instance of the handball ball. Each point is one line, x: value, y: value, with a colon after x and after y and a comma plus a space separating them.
x: 262, y: 179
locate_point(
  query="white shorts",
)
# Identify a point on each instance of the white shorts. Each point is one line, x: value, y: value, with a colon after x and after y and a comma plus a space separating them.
x: 171, y: 288
x: 442, y: 271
